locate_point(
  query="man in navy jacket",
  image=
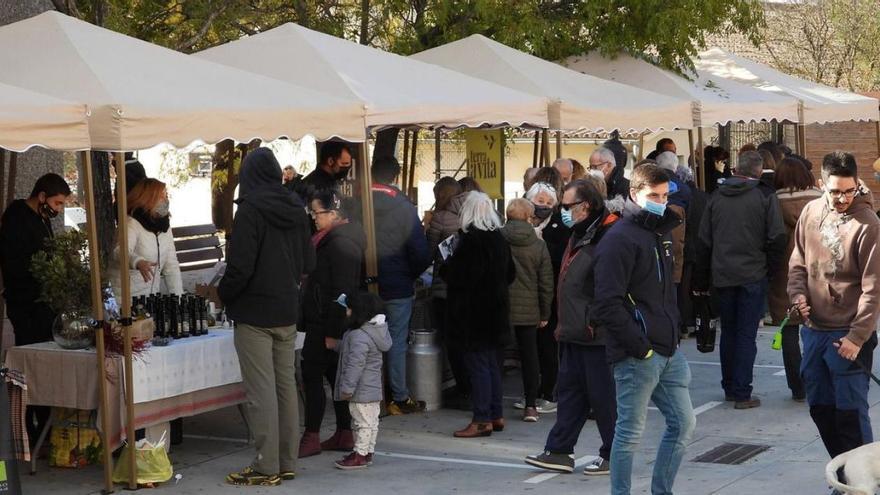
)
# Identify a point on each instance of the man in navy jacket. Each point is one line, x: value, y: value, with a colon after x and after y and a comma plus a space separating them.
x: 403, y: 256
x: 636, y: 304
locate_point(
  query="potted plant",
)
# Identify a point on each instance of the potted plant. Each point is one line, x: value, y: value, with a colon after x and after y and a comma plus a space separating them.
x: 62, y: 271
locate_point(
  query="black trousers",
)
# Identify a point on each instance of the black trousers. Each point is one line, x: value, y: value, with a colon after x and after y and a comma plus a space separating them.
x: 484, y: 367
x: 685, y: 303
x: 585, y: 380
x: 454, y: 352
x: 548, y: 363
x: 314, y: 370
x: 32, y: 324
x: 791, y: 358
x: 527, y: 342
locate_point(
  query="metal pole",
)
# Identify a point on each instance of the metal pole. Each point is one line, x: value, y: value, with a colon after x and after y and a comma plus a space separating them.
x: 535, y: 149
x: 558, y: 144
x: 98, y: 315
x: 410, y: 188
x: 13, y: 171
x: 702, y: 168
x: 877, y: 129
x: 366, y: 177
x: 545, y: 147
x: 125, y: 287
x: 437, y: 158
x: 641, y: 146
x: 405, y: 169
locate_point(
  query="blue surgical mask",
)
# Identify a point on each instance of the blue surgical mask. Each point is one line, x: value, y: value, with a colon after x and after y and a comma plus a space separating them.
x: 567, y: 218
x: 656, y: 208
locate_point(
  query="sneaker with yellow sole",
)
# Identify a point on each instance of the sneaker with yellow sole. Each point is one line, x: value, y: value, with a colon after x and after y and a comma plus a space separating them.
x: 249, y: 477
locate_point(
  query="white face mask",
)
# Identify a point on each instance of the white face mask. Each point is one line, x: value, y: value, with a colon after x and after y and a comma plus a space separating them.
x: 162, y: 208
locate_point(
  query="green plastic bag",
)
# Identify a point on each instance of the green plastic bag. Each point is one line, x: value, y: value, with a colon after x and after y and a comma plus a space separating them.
x: 153, y: 465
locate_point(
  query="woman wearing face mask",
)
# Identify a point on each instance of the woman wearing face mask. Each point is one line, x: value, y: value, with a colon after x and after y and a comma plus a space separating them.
x: 151, y: 253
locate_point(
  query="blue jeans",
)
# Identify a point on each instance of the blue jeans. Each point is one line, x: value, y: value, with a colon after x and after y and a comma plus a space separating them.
x: 837, y: 390
x: 399, y: 312
x: 665, y: 381
x: 741, y: 309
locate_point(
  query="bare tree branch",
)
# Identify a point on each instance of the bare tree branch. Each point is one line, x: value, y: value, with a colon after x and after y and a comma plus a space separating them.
x: 186, y: 46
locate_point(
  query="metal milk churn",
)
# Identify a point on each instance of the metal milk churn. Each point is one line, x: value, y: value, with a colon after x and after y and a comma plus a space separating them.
x: 424, y: 366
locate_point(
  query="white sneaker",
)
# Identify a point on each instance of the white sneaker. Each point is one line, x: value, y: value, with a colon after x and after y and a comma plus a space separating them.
x: 520, y: 404
x: 545, y: 406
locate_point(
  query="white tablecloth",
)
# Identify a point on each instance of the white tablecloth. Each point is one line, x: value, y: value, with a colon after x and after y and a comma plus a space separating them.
x: 185, y: 366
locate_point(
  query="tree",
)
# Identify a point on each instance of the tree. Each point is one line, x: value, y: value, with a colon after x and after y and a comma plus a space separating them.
x: 834, y: 42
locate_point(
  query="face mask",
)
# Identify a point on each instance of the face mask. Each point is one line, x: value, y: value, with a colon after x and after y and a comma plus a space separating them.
x: 567, y: 218
x: 161, y: 209
x: 656, y: 208
x: 47, y: 210
x: 542, y: 212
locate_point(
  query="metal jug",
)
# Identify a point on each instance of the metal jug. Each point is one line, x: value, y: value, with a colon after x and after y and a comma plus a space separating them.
x: 424, y: 366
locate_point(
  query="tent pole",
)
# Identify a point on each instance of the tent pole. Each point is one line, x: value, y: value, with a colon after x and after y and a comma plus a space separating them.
x: 641, y: 146
x: 701, y: 169
x: 558, y: 144
x: 125, y: 288
x: 2, y: 175
x: 877, y: 129
x: 98, y: 315
x: 535, y: 149
x: 10, y: 185
x: 545, y: 147
x: 366, y: 178
x: 693, y: 158
x: 405, y: 169
x: 437, y: 165
x: 410, y: 188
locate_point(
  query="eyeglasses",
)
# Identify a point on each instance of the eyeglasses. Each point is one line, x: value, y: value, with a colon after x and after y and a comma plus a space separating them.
x: 597, y: 167
x: 314, y: 214
x: 849, y: 193
x: 571, y: 205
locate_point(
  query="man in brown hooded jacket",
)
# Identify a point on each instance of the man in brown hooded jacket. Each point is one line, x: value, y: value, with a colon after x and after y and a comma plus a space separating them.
x: 833, y: 281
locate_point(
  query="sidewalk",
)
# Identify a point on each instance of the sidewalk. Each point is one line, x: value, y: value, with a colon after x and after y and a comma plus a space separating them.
x: 417, y: 454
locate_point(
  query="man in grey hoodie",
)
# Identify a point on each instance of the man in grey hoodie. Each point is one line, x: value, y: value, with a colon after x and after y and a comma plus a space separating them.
x: 744, y: 238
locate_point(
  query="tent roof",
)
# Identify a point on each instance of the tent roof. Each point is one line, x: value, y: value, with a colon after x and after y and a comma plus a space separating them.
x: 720, y: 100
x: 140, y: 94
x: 820, y: 103
x: 30, y: 119
x: 396, y: 90
x: 578, y: 101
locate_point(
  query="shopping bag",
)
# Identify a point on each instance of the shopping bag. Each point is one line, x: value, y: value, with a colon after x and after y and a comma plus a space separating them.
x: 74, y: 441
x: 153, y: 465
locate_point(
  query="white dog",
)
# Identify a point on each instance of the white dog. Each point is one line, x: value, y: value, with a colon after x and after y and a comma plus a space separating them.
x: 861, y: 467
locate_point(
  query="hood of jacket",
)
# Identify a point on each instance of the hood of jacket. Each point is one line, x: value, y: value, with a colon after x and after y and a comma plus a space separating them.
x: 735, y: 186
x: 862, y: 202
x: 377, y: 329
x: 351, y: 231
x: 519, y: 233
x: 649, y: 221
x: 616, y: 175
x: 260, y: 187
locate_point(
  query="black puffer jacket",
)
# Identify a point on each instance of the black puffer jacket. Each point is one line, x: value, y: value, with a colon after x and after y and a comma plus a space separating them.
x: 479, y: 274
x: 270, y: 248
x: 339, y: 270
x: 635, y: 292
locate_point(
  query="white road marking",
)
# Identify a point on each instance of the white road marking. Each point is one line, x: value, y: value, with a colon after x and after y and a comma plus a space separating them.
x: 455, y: 461
x: 705, y: 407
x: 710, y: 363
x: 217, y: 439
x: 779, y: 373
x: 538, y: 478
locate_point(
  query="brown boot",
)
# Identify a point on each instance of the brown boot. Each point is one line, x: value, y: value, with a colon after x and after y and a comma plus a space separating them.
x: 474, y: 430
x: 342, y: 440
x: 309, y: 445
x: 498, y: 424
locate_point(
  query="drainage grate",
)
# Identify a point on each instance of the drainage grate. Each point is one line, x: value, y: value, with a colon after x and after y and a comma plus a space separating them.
x: 731, y: 453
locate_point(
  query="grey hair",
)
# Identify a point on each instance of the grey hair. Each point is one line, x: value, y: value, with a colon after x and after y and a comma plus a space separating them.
x: 684, y: 173
x: 605, y: 154
x: 667, y: 161
x: 564, y: 161
x: 542, y: 187
x: 750, y: 164
x: 478, y: 212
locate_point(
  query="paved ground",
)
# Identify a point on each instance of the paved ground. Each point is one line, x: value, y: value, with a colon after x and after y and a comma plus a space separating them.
x: 417, y: 454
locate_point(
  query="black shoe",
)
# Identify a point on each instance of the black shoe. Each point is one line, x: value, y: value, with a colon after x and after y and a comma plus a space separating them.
x: 562, y: 463
x: 598, y: 467
x: 750, y: 403
x: 408, y: 406
x: 799, y: 397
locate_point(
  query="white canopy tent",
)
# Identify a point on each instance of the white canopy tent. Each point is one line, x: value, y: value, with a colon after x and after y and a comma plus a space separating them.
x: 29, y: 119
x: 819, y: 103
x: 396, y: 91
x: 717, y: 99
x: 140, y: 94
x: 577, y: 101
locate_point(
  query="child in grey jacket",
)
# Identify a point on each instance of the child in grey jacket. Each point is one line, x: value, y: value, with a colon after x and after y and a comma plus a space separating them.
x: 359, y: 375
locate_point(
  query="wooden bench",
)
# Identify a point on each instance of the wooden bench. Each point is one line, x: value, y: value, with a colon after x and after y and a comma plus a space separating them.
x: 197, y: 246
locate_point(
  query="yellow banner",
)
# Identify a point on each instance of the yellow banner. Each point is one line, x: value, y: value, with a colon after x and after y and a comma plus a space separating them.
x: 485, y: 160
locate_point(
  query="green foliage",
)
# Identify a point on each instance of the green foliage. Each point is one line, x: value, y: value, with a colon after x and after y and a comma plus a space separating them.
x: 62, y: 271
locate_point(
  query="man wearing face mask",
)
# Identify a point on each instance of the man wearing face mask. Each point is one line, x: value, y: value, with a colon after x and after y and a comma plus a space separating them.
x: 26, y: 225
x: 832, y: 280
x: 584, y: 379
x: 334, y: 163
x: 744, y: 237
x: 635, y: 304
